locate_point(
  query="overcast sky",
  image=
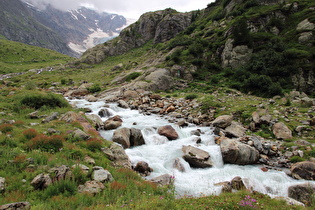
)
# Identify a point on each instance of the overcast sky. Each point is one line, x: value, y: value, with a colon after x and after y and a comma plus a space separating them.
x: 127, y: 8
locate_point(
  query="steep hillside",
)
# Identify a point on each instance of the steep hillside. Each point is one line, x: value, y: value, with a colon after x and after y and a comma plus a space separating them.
x: 261, y: 47
x: 18, y: 24
x: 67, y: 32
x: 16, y: 57
x: 82, y: 28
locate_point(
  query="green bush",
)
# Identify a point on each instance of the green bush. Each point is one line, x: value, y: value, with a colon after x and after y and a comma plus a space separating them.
x: 63, y: 187
x: 191, y: 96
x: 30, y: 133
x: 46, y: 143
x: 37, y: 100
x: 296, y: 159
x: 94, y: 144
x: 94, y: 88
x: 6, y: 128
x: 132, y: 76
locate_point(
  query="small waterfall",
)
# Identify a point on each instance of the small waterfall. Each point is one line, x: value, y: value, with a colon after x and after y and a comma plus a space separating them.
x: 160, y: 154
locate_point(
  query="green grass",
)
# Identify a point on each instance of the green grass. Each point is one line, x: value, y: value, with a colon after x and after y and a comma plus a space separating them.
x: 18, y: 57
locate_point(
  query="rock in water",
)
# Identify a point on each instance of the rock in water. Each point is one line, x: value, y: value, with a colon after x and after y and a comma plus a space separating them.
x: 168, y: 131
x: 197, y: 158
x: 236, y: 152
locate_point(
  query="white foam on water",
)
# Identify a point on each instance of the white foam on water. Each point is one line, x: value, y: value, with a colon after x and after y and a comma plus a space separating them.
x: 160, y: 153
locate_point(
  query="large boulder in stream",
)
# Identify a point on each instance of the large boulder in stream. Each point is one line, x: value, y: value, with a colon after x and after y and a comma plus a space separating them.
x: 197, y: 158
x: 128, y: 137
x: 303, y: 170
x: 113, y: 123
x: 303, y: 193
x: 235, y: 152
x: 168, y: 131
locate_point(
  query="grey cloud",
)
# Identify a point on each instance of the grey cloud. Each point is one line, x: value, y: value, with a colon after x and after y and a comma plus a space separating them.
x: 124, y: 7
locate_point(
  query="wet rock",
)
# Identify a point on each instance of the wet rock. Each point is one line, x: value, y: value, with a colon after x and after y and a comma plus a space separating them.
x: 128, y: 137
x: 178, y: 165
x: 222, y: 121
x: 168, y: 131
x: 91, y: 187
x: 41, y: 181
x: 281, y: 131
x: 122, y: 136
x: 16, y: 206
x: 123, y: 104
x: 117, y: 155
x: 112, y: 123
x: 237, y: 183
x: 163, y: 180
x: 303, y: 193
x: 197, y: 158
x: 235, y: 152
x: 303, y: 170
x: 143, y: 168
x: 2, y: 184
x: 235, y: 130
x: 136, y: 137
x: 104, y: 113
x: 90, y: 98
x: 226, y: 186
x: 102, y: 175
x: 96, y: 121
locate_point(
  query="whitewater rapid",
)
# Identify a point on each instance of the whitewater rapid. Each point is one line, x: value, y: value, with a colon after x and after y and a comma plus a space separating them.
x: 160, y: 153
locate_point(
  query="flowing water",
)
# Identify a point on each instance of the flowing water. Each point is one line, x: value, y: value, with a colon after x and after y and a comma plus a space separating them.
x: 160, y: 153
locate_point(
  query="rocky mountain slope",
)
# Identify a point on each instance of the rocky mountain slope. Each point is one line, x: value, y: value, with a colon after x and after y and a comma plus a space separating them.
x: 261, y: 47
x: 68, y: 32
x: 17, y: 23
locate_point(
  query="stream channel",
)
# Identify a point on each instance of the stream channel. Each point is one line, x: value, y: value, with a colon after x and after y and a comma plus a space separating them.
x: 160, y: 153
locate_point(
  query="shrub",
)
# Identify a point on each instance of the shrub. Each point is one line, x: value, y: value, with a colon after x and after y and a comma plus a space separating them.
x: 191, y: 96
x: 30, y: 133
x: 94, y: 144
x: 94, y: 88
x: 64, y: 187
x: 46, y: 143
x: 296, y: 159
x: 6, y: 128
x: 37, y: 100
x: 132, y: 76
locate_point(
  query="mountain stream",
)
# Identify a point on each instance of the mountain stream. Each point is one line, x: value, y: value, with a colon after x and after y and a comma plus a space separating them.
x: 160, y: 153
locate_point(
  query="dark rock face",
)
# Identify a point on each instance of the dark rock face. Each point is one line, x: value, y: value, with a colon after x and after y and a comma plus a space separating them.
x: 14, y: 28
x: 235, y: 152
x: 18, y: 206
x: 197, y: 158
x: 128, y: 137
x: 159, y: 26
x: 143, y: 168
x: 168, y: 131
x: 303, y: 193
x: 303, y: 170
